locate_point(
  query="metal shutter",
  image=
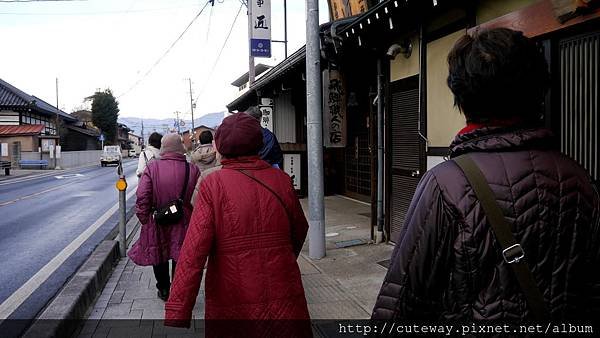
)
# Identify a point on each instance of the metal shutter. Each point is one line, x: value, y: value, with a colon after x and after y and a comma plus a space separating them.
x: 579, y: 80
x: 407, y: 151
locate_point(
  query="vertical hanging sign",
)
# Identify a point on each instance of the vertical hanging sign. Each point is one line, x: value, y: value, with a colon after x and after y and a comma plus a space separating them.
x: 260, y: 40
x: 266, y: 108
x: 334, y: 109
x: 292, y: 166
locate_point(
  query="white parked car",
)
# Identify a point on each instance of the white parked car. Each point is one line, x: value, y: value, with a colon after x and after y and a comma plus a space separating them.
x: 132, y: 153
x: 110, y: 155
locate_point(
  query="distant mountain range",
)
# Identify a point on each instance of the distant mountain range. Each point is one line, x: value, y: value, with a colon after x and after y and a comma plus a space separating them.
x: 211, y: 120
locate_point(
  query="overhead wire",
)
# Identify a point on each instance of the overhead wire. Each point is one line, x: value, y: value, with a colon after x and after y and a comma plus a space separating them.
x: 17, y: 1
x: 209, y: 22
x: 166, y: 52
x: 129, y: 11
x: 220, y: 53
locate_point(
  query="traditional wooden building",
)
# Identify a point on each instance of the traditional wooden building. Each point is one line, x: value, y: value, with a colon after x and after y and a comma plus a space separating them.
x: 404, y: 45
x: 27, y: 123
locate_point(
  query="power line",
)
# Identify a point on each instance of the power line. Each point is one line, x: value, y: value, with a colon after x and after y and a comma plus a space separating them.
x: 166, y: 52
x: 209, y: 22
x: 220, y: 52
x: 97, y: 13
x: 17, y: 1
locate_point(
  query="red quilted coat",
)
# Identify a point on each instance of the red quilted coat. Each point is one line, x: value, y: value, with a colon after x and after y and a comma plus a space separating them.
x: 244, y: 231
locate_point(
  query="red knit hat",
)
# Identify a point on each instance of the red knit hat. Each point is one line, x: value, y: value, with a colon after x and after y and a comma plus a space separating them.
x: 239, y: 135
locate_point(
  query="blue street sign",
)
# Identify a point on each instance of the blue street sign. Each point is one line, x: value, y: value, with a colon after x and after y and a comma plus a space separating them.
x: 260, y: 48
x: 101, y: 138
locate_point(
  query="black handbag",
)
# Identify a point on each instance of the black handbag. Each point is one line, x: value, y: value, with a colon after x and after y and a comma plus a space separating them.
x: 172, y: 212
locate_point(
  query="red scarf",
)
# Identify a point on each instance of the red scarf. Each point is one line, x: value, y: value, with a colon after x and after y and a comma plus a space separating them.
x: 471, y: 126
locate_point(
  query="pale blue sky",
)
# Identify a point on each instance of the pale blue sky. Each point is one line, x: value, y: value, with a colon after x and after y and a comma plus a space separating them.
x: 111, y: 43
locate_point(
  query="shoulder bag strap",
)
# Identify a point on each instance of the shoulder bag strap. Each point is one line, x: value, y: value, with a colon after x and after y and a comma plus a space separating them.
x: 145, y: 156
x: 287, y: 212
x: 512, y: 252
x: 185, y: 183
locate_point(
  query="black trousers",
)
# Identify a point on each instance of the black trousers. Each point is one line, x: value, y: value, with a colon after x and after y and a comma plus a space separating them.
x: 161, y: 273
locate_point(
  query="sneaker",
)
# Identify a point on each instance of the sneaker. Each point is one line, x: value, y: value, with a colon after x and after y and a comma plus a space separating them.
x: 163, y: 294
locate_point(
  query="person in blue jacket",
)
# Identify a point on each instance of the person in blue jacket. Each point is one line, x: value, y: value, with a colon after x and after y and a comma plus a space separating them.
x: 271, y: 151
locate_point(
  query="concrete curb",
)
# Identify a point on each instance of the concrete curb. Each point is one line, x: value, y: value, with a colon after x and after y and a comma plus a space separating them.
x: 61, y: 317
x: 66, y: 312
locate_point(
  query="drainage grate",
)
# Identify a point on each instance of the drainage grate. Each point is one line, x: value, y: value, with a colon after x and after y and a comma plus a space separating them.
x: 386, y: 263
x: 349, y: 243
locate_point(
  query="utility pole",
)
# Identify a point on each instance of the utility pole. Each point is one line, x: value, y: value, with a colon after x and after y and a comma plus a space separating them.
x: 143, y: 139
x: 192, y: 109
x: 251, y: 71
x: 57, y: 127
x: 314, y: 126
x: 285, y: 32
x: 177, y: 123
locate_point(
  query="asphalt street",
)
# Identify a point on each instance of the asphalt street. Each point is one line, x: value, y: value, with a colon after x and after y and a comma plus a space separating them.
x: 44, y: 220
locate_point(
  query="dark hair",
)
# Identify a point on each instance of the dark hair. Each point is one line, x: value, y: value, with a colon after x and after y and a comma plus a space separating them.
x: 154, y: 140
x: 206, y: 137
x: 255, y: 112
x: 498, y: 74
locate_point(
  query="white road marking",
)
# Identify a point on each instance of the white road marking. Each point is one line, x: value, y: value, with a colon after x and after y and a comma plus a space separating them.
x: 22, y: 294
x: 49, y: 174
x: 60, y: 177
x: 84, y: 194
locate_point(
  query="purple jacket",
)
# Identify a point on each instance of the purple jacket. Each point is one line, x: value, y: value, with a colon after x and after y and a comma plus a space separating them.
x: 447, y: 264
x: 161, y: 183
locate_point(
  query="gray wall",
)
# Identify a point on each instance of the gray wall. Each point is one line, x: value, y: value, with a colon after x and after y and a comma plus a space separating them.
x: 69, y: 159
x: 285, y: 118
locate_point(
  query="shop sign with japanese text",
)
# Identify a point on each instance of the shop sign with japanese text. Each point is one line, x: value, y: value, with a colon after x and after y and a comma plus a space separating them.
x: 266, y: 107
x: 260, y: 40
x: 346, y: 8
x: 293, y: 166
x: 334, y: 110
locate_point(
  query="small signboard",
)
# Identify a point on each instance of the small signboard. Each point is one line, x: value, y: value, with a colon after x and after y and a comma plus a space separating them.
x: 266, y: 107
x: 260, y: 28
x: 3, y: 149
x: 48, y: 145
x: 101, y: 138
x: 292, y: 165
x: 266, y: 120
x: 341, y: 9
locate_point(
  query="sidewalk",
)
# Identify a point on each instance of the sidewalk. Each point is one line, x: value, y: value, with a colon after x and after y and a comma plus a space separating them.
x: 343, y: 285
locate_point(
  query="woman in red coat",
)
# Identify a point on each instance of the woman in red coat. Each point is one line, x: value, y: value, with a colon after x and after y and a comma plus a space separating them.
x: 248, y: 219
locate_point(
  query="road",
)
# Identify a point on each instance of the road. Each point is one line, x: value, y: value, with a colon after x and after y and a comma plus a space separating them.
x: 48, y: 227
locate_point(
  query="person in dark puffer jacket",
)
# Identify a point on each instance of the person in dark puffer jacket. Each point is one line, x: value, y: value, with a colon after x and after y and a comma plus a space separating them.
x: 447, y: 263
x: 271, y: 151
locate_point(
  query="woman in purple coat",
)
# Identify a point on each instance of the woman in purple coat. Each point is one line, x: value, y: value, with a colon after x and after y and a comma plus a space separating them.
x: 161, y: 183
